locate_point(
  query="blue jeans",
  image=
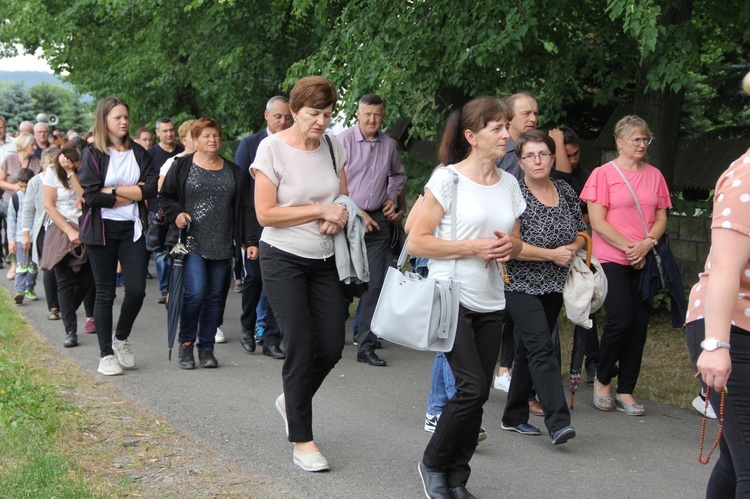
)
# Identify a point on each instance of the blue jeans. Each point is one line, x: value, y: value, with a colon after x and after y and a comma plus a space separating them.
x: 261, y: 310
x: 26, y: 270
x: 442, y: 385
x: 162, y: 264
x: 204, y: 283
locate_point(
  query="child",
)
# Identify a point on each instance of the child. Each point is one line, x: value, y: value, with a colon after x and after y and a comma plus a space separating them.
x: 26, y: 269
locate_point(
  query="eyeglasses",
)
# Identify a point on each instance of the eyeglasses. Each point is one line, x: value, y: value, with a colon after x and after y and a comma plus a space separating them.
x: 541, y: 156
x: 642, y: 141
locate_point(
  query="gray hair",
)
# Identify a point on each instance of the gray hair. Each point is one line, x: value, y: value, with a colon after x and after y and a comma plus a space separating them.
x: 273, y: 100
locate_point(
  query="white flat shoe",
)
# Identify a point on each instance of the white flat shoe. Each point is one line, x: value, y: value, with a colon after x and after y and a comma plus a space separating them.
x: 281, y: 407
x: 311, y: 462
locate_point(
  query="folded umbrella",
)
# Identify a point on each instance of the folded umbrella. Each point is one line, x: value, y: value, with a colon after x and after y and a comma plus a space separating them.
x: 176, y: 288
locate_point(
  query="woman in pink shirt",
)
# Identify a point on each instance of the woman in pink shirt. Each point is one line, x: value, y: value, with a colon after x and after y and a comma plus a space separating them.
x: 621, y: 243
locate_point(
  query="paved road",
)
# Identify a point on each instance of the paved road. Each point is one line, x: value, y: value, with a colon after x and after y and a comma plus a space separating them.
x: 368, y: 422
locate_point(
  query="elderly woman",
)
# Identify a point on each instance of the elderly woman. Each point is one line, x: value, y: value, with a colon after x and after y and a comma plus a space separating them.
x: 296, y: 182
x: 204, y: 190
x: 718, y: 317
x: 117, y: 177
x: 11, y: 165
x: 63, y: 205
x: 549, y: 228
x: 621, y: 245
x: 488, y: 205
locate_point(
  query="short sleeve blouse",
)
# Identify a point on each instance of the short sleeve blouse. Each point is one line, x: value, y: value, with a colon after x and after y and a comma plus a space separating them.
x: 606, y: 187
x: 546, y: 227
x: 731, y: 212
x: 68, y: 203
x: 301, y: 178
x: 480, y: 210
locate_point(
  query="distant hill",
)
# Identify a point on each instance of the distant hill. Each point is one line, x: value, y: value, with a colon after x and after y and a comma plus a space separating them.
x: 31, y: 78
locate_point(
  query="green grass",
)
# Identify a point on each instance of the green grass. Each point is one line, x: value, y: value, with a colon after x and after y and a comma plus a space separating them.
x: 33, y: 420
x: 666, y: 373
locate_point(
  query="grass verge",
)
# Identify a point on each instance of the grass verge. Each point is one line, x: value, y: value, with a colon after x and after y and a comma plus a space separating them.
x: 666, y: 373
x: 66, y: 433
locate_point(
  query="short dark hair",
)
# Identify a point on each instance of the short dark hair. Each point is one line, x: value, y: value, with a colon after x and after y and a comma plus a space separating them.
x: 570, y: 138
x: 25, y: 174
x: 537, y: 136
x: 163, y: 121
x: 142, y: 129
x: 312, y: 91
x: 372, y: 100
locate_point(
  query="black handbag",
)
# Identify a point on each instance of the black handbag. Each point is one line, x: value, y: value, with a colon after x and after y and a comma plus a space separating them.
x: 156, y: 234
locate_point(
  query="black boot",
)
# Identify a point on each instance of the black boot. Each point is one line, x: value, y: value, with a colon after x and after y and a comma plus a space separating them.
x: 207, y: 360
x: 187, y: 359
x: 71, y: 340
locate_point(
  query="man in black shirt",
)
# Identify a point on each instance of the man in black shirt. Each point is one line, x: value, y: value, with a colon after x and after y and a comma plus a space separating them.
x: 167, y: 147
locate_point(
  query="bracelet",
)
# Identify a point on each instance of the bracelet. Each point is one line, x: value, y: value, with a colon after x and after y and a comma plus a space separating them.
x: 653, y: 239
x: 71, y: 174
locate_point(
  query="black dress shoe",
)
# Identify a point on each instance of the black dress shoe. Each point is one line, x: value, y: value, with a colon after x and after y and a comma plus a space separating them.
x: 247, y: 339
x: 274, y: 352
x: 371, y: 358
x: 461, y: 493
x: 71, y: 340
x: 435, y: 483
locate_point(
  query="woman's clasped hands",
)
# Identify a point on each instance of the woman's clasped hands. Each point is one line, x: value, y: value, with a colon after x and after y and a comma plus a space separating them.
x: 334, y: 218
x: 499, y: 249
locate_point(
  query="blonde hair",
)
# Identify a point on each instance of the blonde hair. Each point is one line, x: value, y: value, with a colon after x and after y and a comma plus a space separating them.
x: 101, y: 137
x: 23, y: 140
x: 628, y: 125
x: 746, y: 83
x: 49, y: 155
x: 184, y: 129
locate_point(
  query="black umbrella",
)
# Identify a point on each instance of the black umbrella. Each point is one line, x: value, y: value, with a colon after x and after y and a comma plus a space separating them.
x: 176, y: 288
x: 579, y: 340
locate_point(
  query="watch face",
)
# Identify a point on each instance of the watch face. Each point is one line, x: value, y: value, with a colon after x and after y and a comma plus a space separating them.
x: 710, y: 344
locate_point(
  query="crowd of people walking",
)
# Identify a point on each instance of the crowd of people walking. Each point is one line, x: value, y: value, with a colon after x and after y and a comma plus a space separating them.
x: 306, y: 221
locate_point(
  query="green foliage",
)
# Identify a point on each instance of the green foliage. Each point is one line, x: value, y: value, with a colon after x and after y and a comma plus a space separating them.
x: 224, y: 59
x: 15, y: 105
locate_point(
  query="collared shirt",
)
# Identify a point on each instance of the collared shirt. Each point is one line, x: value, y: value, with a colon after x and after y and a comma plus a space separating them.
x: 509, y: 162
x: 7, y: 147
x: 373, y: 169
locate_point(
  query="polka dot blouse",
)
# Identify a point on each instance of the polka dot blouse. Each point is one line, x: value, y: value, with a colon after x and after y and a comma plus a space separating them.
x: 731, y: 211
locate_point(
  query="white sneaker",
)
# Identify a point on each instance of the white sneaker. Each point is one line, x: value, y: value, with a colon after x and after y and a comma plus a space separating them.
x: 109, y: 366
x: 699, y: 404
x: 220, y: 336
x: 124, y: 353
x: 502, y: 382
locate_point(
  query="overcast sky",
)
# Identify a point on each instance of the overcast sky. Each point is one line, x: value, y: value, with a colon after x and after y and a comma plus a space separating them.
x: 24, y: 63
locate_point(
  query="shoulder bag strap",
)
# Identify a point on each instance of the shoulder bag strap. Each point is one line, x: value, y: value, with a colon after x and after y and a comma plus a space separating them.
x: 454, y: 201
x: 632, y: 193
x: 330, y: 149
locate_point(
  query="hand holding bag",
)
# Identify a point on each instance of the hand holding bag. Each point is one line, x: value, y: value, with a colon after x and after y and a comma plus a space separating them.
x: 417, y: 312
x: 156, y: 234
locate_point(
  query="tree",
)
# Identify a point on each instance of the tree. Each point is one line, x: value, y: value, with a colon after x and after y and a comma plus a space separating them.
x: 225, y: 58
x: 15, y: 105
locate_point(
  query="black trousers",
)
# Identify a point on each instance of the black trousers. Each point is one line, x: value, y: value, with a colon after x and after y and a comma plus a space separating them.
x: 508, y: 345
x: 731, y: 474
x: 537, y: 363
x: 72, y: 289
x: 472, y: 362
x: 251, y: 290
x: 134, y: 259
x: 378, y: 245
x: 624, y: 335
x: 309, y: 302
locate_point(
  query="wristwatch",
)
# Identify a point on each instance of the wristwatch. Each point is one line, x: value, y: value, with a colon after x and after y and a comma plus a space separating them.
x: 710, y: 344
x: 114, y: 190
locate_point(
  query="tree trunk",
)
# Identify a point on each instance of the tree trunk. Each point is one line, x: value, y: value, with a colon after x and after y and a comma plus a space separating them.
x: 662, y: 109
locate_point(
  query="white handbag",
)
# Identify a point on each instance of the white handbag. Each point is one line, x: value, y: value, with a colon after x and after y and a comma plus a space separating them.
x: 417, y: 312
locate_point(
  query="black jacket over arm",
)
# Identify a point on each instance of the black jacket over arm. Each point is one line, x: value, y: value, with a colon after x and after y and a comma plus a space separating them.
x: 172, y: 202
x: 92, y: 174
